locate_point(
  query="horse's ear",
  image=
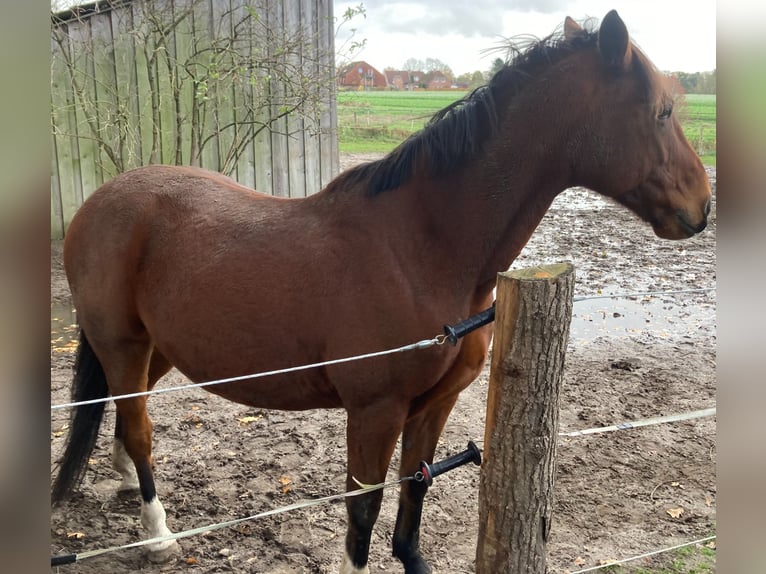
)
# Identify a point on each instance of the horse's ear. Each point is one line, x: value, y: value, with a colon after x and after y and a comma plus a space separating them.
x: 613, y: 41
x: 571, y: 29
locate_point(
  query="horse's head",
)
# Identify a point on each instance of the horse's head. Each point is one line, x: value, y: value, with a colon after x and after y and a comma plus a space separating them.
x: 630, y: 145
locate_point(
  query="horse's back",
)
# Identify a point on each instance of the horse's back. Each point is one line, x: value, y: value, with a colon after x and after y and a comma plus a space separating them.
x: 142, y: 200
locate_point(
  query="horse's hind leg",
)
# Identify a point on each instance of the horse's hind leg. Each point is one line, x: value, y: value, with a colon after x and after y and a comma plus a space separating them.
x: 121, y: 461
x: 127, y: 370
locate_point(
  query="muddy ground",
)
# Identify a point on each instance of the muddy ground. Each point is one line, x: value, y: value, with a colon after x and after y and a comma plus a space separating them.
x: 617, y: 494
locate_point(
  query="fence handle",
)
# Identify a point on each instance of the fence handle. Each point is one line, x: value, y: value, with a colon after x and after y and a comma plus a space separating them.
x: 427, y: 471
x: 461, y: 329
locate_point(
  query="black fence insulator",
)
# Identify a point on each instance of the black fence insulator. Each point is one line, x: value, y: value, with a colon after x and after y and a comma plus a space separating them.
x: 427, y: 471
x: 460, y: 330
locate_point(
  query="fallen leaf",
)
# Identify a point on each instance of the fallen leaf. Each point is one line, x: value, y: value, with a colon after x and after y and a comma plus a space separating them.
x: 191, y: 560
x: 75, y: 535
x: 286, y: 482
x: 247, y: 420
x: 579, y: 561
x: 193, y: 419
x: 69, y: 347
x: 675, y: 512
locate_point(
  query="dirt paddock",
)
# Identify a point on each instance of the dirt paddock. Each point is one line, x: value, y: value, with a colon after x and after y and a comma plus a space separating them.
x: 617, y: 494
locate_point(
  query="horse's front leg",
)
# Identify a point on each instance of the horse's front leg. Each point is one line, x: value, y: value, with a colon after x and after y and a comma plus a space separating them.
x: 371, y: 434
x: 419, y: 439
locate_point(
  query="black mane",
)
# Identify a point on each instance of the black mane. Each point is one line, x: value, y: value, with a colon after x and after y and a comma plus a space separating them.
x: 459, y: 131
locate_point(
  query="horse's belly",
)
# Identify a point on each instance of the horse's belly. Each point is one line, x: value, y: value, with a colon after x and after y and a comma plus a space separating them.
x: 243, y: 375
x: 280, y: 392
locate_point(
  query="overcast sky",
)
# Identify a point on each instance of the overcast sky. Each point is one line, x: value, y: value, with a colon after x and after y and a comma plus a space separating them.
x: 677, y: 35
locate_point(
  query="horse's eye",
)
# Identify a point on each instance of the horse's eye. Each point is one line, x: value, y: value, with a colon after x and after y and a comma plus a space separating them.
x: 667, y: 109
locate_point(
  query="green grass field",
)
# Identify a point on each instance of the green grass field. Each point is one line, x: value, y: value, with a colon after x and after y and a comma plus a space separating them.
x: 379, y: 121
x: 697, y: 113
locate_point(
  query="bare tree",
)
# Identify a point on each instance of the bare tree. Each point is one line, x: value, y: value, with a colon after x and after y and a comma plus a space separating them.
x: 249, y: 70
x: 414, y: 65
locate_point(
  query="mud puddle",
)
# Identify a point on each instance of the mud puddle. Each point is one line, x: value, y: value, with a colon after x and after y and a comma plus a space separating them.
x: 679, y: 316
x: 63, y: 326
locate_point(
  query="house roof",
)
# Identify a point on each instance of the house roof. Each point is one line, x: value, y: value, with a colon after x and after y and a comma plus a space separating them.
x: 415, y: 75
x: 86, y: 9
x: 352, y: 74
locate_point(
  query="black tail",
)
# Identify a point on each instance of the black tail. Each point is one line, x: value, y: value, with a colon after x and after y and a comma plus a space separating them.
x: 89, y: 383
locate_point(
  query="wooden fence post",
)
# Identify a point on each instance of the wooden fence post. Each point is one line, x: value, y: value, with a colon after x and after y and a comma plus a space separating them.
x: 533, y: 312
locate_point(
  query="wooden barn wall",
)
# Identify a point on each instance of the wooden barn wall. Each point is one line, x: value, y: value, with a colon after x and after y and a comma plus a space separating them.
x: 109, y: 97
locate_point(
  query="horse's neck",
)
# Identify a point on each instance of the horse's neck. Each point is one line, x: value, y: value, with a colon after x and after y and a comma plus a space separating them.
x: 496, y: 202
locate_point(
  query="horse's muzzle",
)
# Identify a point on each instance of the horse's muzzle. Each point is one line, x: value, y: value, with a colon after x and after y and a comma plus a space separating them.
x: 690, y: 228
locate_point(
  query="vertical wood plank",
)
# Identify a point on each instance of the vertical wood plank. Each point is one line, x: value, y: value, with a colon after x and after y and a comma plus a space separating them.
x: 63, y: 125
x: 86, y: 152
x: 143, y: 120
x: 243, y: 96
x: 124, y: 85
x: 163, y: 11
x: 279, y: 153
x: 57, y: 216
x: 310, y: 66
x: 204, y: 28
x: 263, y: 88
x: 184, y: 50
x: 329, y: 159
x: 127, y: 86
x: 223, y: 108
x: 296, y: 152
x: 107, y: 104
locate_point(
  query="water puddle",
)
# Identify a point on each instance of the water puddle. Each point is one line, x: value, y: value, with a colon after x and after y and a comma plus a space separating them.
x: 63, y: 328
x: 661, y: 317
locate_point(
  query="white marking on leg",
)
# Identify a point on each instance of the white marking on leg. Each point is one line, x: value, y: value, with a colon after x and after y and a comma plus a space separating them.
x: 347, y: 567
x: 123, y: 464
x: 153, y: 519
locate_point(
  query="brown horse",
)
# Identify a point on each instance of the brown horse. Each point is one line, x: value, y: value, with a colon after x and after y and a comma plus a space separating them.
x: 181, y: 266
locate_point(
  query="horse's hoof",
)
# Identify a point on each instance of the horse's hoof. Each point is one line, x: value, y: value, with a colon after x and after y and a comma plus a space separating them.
x: 165, y: 554
x: 416, y: 565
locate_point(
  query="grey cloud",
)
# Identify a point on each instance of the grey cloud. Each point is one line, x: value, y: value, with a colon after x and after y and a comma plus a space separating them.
x: 466, y: 17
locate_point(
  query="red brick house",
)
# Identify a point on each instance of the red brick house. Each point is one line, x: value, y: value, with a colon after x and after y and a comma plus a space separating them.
x: 405, y: 79
x: 436, y: 80
x: 362, y: 76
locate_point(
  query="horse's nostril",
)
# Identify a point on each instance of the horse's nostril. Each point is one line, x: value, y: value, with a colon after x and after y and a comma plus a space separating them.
x: 707, y: 208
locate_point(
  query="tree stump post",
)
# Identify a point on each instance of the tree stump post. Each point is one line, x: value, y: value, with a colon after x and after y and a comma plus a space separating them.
x: 532, y: 317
